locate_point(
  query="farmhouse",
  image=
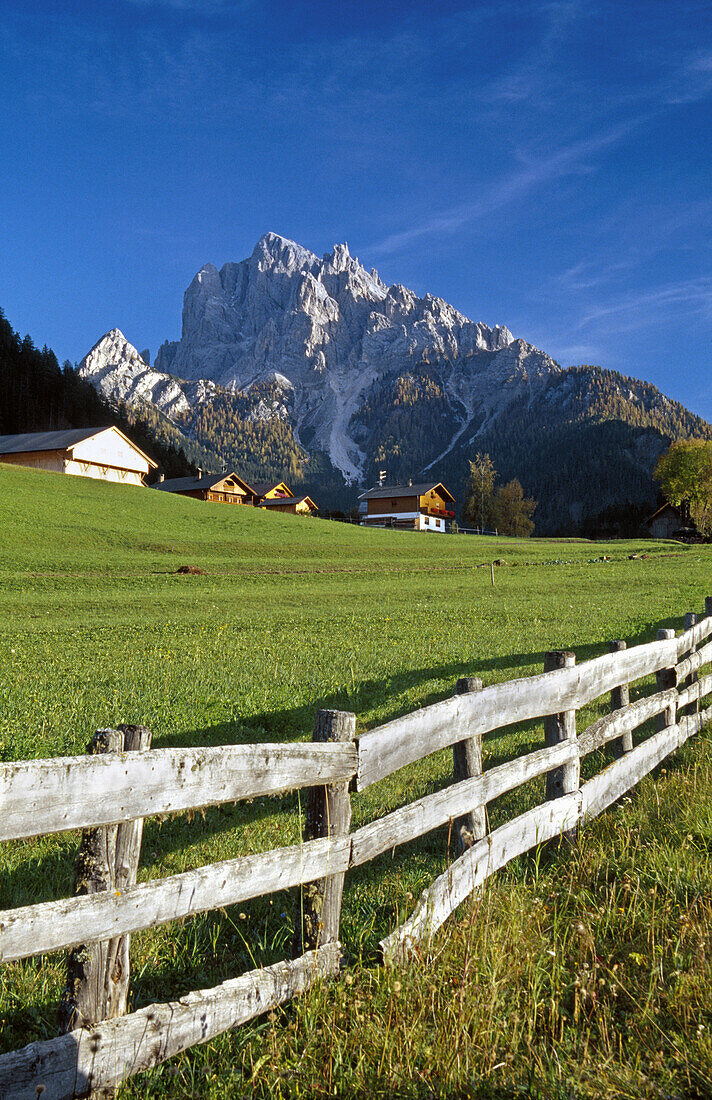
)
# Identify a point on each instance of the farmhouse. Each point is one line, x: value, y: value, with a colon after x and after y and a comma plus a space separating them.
x: 220, y: 488
x: 296, y: 506
x: 423, y: 507
x: 272, y: 490
x: 103, y: 453
x: 278, y: 497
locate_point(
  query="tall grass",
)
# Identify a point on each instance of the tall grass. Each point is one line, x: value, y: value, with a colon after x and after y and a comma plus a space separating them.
x: 574, y: 973
x: 292, y: 615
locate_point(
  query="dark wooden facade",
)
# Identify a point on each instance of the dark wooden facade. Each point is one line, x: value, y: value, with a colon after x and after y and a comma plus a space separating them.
x: 424, y: 507
x: 217, y: 488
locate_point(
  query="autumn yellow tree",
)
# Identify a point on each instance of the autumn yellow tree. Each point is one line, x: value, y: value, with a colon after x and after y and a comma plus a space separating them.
x: 512, y: 511
x: 685, y: 476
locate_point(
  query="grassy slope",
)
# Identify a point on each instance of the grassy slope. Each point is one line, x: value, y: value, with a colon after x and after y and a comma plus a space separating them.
x: 298, y: 614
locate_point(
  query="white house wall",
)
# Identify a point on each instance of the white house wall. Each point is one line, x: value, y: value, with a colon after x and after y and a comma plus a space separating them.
x: 103, y: 473
x: 109, y: 449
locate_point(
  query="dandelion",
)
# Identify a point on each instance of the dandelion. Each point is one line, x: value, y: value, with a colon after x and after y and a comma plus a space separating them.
x: 397, y: 987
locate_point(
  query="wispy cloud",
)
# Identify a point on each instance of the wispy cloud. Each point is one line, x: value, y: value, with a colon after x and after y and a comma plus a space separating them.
x: 534, y: 75
x: 588, y: 274
x: 640, y: 310
x: 570, y: 159
x: 691, y: 81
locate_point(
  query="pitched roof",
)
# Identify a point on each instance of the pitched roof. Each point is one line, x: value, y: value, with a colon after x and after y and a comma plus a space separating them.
x: 45, y: 441
x: 274, y: 501
x: 264, y: 487
x: 60, y: 441
x: 684, y: 520
x: 380, y: 491
x: 207, y: 481
x: 660, y: 511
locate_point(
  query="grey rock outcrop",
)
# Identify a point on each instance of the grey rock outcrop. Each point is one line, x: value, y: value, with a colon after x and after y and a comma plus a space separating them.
x: 328, y: 330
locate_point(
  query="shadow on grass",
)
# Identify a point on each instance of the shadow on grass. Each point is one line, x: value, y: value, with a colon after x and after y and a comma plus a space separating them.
x: 218, y: 945
x: 296, y: 723
x: 19, y: 884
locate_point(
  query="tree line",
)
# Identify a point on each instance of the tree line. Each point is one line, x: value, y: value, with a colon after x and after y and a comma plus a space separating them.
x: 37, y: 395
x: 502, y: 508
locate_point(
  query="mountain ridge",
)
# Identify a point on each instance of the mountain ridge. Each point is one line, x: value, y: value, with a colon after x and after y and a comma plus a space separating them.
x: 347, y: 374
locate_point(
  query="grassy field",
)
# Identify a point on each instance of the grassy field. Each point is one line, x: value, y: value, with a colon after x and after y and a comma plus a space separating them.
x: 583, y: 974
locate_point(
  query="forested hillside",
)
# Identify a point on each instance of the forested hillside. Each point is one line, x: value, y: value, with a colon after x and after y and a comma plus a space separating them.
x: 253, y: 434
x: 36, y: 395
x: 583, y: 442
x: 582, y: 445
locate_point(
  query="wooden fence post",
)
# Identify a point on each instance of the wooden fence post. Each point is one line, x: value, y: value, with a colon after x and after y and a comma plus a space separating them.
x: 561, y: 727
x: 620, y: 697
x: 690, y: 621
x: 328, y: 813
x: 666, y: 678
x: 128, y: 851
x: 467, y: 763
x: 98, y: 973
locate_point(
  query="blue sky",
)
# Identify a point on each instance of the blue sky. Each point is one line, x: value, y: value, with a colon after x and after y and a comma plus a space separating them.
x: 544, y: 165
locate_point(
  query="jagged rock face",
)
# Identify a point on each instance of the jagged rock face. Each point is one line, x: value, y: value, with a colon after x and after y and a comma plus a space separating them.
x: 331, y: 327
x: 117, y: 370
x: 312, y: 355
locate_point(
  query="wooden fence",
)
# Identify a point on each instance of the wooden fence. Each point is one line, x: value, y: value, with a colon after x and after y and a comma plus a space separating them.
x: 109, y: 792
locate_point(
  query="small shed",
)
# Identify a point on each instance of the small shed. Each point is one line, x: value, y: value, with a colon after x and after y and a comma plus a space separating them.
x: 218, y: 488
x: 102, y: 453
x: 668, y: 520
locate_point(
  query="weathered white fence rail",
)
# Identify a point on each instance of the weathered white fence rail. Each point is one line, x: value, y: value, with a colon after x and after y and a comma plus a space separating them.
x: 109, y: 793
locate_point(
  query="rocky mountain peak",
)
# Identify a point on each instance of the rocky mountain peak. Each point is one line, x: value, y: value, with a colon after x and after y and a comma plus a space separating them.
x: 112, y: 347
x: 329, y: 327
x: 274, y: 251
x: 339, y: 259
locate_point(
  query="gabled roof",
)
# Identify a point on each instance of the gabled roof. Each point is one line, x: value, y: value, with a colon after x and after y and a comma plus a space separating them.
x: 667, y: 506
x: 262, y: 488
x: 60, y: 441
x: 274, y: 501
x: 207, y: 481
x: 680, y: 514
x: 380, y: 491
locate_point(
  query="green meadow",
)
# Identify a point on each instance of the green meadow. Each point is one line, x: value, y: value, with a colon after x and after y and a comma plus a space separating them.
x: 575, y: 973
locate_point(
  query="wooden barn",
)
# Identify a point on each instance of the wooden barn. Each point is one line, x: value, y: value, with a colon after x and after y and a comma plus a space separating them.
x: 423, y: 507
x: 670, y: 521
x: 218, y: 488
x: 102, y: 453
